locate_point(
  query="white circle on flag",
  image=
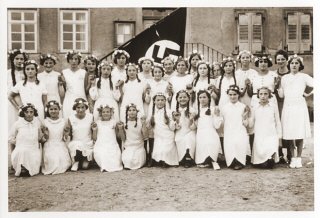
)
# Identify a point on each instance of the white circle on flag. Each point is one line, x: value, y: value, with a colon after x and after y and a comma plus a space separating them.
x: 163, y: 44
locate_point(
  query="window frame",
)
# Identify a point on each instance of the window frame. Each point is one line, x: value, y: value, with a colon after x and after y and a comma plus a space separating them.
x: 35, y: 22
x: 133, y: 23
x: 74, y: 22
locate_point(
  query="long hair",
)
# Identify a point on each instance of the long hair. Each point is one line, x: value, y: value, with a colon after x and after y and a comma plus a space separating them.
x: 136, y: 118
x: 136, y: 72
x: 222, y: 75
x: 208, y: 111
x: 93, y: 59
x: 12, y: 56
x: 166, y: 118
x: 190, y: 58
x: 188, y: 104
x: 195, y: 81
x: 26, y: 63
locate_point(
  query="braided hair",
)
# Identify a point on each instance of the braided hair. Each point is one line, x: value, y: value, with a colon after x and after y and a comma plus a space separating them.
x: 136, y: 118
x: 26, y: 63
x: 223, y: 72
x: 130, y: 64
x: 12, y: 56
x: 110, y: 76
x: 166, y: 118
x: 208, y: 111
x: 187, y: 112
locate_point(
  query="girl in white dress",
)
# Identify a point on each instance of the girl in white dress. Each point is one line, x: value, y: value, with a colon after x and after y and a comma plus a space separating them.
x: 133, y: 91
x: 185, y: 135
x: 56, y: 158
x: 24, y: 137
x: 181, y: 80
x: 267, y: 128
x: 107, y: 153
x: 236, y: 139
x: 104, y: 92
x: 74, y: 79
x: 78, y: 129
x: 165, y: 150
x: 51, y: 78
x: 120, y: 59
x: 208, y: 120
x: 91, y: 67
x: 193, y: 60
x: 134, y: 154
x: 30, y: 90
x: 295, y: 118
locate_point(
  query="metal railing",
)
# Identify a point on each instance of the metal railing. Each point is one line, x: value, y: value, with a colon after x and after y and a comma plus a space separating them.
x: 211, y: 55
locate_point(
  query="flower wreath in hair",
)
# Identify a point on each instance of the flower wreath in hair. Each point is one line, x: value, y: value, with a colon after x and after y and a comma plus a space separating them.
x: 142, y: 59
x: 118, y: 51
x: 180, y: 58
x: 132, y: 105
x: 155, y: 64
x: 245, y: 52
x: 91, y: 57
x: 105, y: 64
x: 71, y: 53
x: 132, y: 64
x: 24, y: 107
x: 80, y: 101
x: 295, y: 56
x: 195, y: 53
x: 158, y: 94
x: 51, y: 103
x: 233, y: 88
x: 228, y: 59
x: 31, y: 62
x: 204, y: 62
x: 167, y: 58
x: 99, y: 109
x: 15, y: 52
x: 264, y: 57
x: 47, y: 56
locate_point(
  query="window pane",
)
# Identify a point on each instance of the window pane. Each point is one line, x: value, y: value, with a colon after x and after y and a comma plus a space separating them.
x: 257, y: 32
x: 67, y: 36
x: 80, y: 28
x: 15, y: 16
x: 67, y: 16
x: 16, y: 45
x: 120, y: 39
x: 127, y: 29
x: 80, y: 36
x: 67, y: 45
x: 29, y: 46
x: 120, y: 29
x: 127, y: 37
x: 67, y: 27
x: 16, y: 37
x: 28, y: 16
x: 29, y: 37
x: 243, y: 32
x: 305, y: 32
x: 80, y: 16
x: 29, y: 28
x: 80, y: 45
x: 15, y: 27
x: 292, y: 31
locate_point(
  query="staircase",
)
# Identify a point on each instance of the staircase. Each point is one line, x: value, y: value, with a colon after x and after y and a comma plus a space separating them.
x: 211, y: 55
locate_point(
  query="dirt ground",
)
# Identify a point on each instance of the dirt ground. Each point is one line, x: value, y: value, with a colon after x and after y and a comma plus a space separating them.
x: 172, y: 189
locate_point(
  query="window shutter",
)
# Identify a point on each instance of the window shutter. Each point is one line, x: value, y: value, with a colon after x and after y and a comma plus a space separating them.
x: 243, y: 32
x: 305, y: 32
x: 292, y: 33
x: 256, y: 32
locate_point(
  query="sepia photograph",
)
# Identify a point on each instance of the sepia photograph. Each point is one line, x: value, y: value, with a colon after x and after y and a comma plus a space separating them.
x: 158, y: 107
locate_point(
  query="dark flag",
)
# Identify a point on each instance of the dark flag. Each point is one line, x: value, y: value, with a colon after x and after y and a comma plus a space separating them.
x: 164, y: 38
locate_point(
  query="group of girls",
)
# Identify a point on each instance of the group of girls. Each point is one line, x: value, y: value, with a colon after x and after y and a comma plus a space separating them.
x: 184, y: 112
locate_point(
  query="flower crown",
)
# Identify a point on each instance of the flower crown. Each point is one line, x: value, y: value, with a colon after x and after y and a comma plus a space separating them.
x: 195, y: 52
x: 167, y: 58
x: 142, y: 59
x: 116, y: 52
x: 71, y: 53
x: 204, y: 62
x: 104, y: 64
x: 31, y: 62
x: 91, y: 57
x: 131, y: 105
x: 16, y: 52
x: 295, y: 56
x: 180, y: 58
x: 99, y: 109
x: 265, y: 57
x: 233, y: 88
x: 228, y: 59
x: 158, y: 65
x: 244, y: 52
x: 159, y: 94
x: 51, y: 103
x: 80, y: 101
x: 44, y: 57
x: 26, y: 106
x: 132, y: 64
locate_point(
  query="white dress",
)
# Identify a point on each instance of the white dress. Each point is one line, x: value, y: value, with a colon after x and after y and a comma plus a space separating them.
x: 179, y: 83
x: 32, y: 93
x: 132, y: 93
x: 236, y: 139
x: 164, y: 146
x: 117, y: 74
x: 241, y: 76
x: 295, y: 118
x: 202, y: 85
x: 27, y: 151
x: 134, y: 154
x: 185, y: 138
x: 207, y: 138
x: 56, y: 156
x: 50, y: 80
x: 267, y: 128
x: 81, y: 136
x: 104, y: 95
x: 107, y: 153
x: 74, y: 89
x: 225, y: 84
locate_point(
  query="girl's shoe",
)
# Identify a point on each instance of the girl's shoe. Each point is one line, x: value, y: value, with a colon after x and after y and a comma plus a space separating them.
x: 293, y: 163
x: 75, y: 166
x: 215, y: 166
x: 299, y: 162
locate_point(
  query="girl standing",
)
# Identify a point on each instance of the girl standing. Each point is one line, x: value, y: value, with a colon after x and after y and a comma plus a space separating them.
x: 207, y: 121
x: 56, y: 156
x: 134, y: 154
x: 295, y: 118
x: 267, y: 128
x: 106, y: 150
x: 74, y: 78
x: 185, y: 135
x: 104, y: 92
x: 168, y: 64
x: 91, y: 67
x: 79, y: 128
x: 30, y: 89
x: 193, y: 60
x: 145, y: 67
x: 52, y: 79
x: 165, y: 150
x: 24, y: 137
x: 120, y: 59
x: 236, y: 140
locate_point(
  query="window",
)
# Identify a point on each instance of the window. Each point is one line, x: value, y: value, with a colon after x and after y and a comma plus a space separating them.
x: 74, y: 30
x: 250, y: 31
x: 153, y: 15
x: 124, y: 32
x: 299, y: 32
x: 23, y: 30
